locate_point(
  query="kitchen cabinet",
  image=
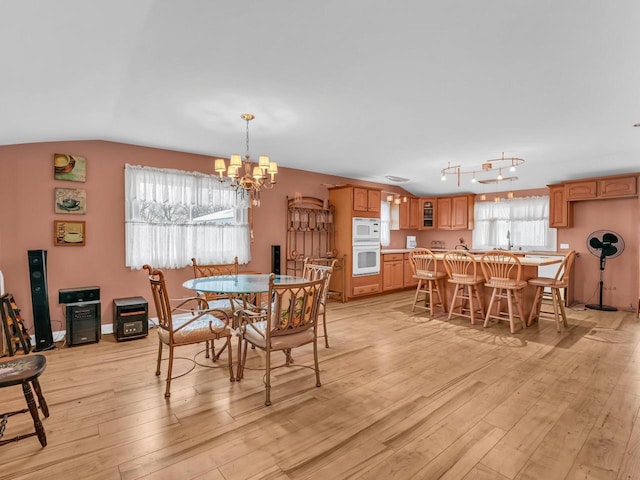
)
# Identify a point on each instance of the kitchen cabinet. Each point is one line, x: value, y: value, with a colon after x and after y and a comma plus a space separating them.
x: 409, y: 279
x: 604, y: 187
x: 427, y: 214
x: 560, y: 210
x: 409, y: 213
x: 365, y: 285
x: 342, y: 200
x: 366, y: 200
x: 392, y: 271
x: 585, y: 190
x: 455, y: 213
x: 617, y: 187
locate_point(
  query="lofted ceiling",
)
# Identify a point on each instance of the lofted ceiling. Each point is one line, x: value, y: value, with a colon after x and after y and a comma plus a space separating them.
x: 358, y: 88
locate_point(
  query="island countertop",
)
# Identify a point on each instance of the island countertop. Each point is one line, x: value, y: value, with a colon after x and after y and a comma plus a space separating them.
x: 534, y: 259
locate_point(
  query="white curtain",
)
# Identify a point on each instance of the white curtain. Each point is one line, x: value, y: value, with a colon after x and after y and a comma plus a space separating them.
x: 162, y: 212
x: 385, y: 224
x: 522, y: 223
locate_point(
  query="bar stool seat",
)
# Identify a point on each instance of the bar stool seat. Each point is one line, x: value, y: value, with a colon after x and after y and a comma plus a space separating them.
x: 25, y: 371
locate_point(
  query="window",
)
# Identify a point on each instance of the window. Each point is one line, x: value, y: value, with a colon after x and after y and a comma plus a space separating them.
x: 385, y: 224
x: 172, y: 216
x: 518, y: 223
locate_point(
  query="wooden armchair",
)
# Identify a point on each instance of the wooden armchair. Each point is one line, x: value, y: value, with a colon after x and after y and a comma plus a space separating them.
x: 189, y: 322
x: 290, y: 321
x: 316, y: 271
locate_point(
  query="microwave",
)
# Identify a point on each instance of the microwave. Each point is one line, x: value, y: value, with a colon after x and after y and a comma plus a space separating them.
x: 366, y: 230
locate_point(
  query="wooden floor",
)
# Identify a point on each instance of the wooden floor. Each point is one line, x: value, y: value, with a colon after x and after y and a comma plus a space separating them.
x: 403, y: 397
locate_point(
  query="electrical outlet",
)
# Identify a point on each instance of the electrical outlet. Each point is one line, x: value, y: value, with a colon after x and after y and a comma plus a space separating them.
x: 564, y: 246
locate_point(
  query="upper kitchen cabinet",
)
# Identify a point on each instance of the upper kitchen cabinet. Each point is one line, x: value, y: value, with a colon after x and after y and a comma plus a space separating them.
x: 366, y: 200
x: 455, y: 213
x: 604, y: 187
x: 409, y: 213
x: 560, y: 213
x: 427, y: 214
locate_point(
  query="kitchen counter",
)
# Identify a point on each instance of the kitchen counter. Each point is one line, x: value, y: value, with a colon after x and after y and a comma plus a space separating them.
x: 533, y: 259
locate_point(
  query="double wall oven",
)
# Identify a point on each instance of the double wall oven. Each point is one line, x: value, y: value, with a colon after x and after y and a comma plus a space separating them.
x: 366, y: 246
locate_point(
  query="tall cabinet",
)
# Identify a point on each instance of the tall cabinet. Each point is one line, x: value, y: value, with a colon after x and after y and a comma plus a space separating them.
x: 349, y: 202
x: 310, y: 232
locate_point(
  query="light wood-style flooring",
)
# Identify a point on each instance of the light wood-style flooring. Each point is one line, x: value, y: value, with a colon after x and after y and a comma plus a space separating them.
x: 402, y: 397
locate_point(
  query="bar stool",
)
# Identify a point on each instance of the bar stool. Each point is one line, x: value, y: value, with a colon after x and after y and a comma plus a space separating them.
x: 503, y: 273
x: 25, y: 371
x: 555, y: 284
x: 463, y: 273
x: 425, y: 268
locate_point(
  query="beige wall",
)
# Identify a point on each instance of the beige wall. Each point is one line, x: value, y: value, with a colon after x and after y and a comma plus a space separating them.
x: 27, y: 195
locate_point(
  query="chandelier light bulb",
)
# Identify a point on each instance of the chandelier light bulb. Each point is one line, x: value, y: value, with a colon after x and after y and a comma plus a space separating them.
x: 443, y: 178
x: 500, y: 175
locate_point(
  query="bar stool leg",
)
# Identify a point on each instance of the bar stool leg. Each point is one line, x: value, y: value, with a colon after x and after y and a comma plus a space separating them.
x: 33, y: 409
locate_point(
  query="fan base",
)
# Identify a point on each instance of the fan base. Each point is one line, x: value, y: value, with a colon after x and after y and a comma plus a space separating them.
x: 604, y: 308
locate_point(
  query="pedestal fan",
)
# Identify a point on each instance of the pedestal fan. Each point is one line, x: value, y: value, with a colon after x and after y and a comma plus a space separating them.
x: 604, y: 244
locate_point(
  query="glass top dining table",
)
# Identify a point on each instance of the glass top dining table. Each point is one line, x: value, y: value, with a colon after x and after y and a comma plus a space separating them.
x: 241, y: 283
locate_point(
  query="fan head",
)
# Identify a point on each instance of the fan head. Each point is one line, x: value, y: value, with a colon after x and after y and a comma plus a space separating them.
x: 605, y: 243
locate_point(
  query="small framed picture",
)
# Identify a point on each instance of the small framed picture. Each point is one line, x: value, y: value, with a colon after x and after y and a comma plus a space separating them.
x: 69, y: 167
x: 69, y: 233
x: 71, y: 200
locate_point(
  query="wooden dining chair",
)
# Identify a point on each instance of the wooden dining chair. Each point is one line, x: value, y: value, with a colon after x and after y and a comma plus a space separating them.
x: 549, y: 289
x: 290, y: 321
x: 24, y: 371
x: 430, y: 281
x: 503, y: 273
x: 320, y: 269
x: 463, y: 273
x: 189, y: 322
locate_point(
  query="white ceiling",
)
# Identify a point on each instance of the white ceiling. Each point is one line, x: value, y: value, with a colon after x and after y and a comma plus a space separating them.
x: 356, y: 88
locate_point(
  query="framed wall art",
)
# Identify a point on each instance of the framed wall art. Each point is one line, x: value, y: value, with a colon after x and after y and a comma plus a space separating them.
x: 69, y: 167
x: 71, y: 200
x: 69, y: 233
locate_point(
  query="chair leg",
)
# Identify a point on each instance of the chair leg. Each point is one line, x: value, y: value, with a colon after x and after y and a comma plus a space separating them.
x: 167, y: 392
x: 472, y: 308
x: 518, y: 297
x: 453, y: 300
x: 556, y: 314
x: 442, y: 296
x: 231, y: 376
x: 267, y: 383
x: 415, y: 298
x: 33, y: 409
x: 562, y: 309
x: 475, y: 291
x: 316, y: 364
x: 159, y: 357
x: 242, y: 358
x: 324, y: 328
x: 430, y: 299
x: 510, y: 294
x: 488, y: 315
x: 537, y: 303
x: 41, y: 401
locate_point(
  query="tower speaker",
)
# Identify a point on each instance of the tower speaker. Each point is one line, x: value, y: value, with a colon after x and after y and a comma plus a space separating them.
x: 40, y: 299
x: 275, y: 259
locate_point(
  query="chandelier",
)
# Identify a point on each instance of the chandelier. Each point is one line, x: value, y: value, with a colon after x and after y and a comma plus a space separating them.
x: 243, y: 175
x: 483, y: 174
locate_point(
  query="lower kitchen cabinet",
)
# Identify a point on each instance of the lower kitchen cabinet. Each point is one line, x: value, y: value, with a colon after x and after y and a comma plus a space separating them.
x: 392, y: 271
